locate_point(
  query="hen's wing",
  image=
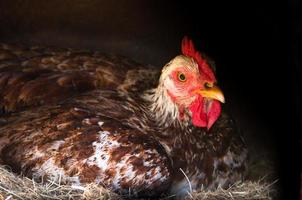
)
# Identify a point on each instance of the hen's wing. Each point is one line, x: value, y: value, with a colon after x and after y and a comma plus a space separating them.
x: 36, y: 75
x: 86, y: 139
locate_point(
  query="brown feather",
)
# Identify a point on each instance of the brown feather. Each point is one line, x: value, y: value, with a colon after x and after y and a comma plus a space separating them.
x: 62, y: 73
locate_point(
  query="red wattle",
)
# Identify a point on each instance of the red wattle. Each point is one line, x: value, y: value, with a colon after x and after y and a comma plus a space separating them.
x: 213, y: 113
x: 199, y: 117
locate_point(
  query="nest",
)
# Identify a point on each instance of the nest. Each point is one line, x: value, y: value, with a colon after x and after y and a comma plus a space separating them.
x: 18, y: 187
x: 250, y: 190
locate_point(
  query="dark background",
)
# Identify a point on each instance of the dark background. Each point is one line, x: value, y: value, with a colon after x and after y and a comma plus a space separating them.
x: 256, y: 46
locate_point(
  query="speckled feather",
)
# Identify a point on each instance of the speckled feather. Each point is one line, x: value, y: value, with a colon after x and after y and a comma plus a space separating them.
x: 105, y: 133
x: 26, y: 73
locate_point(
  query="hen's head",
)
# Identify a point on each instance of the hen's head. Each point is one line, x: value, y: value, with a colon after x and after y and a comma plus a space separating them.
x: 189, y: 82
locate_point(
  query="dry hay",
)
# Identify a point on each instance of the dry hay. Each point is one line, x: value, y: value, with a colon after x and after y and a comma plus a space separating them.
x: 17, y: 187
x: 248, y: 190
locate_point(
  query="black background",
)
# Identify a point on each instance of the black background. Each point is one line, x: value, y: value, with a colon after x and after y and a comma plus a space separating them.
x: 256, y: 46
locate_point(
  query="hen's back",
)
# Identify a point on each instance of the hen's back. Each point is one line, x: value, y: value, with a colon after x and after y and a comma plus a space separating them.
x: 34, y: 76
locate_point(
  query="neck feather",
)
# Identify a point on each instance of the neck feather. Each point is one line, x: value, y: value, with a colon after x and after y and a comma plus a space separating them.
x: 163, y: 109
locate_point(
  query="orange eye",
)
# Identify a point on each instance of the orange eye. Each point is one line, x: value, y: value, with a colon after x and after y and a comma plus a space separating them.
x: 181, y: 77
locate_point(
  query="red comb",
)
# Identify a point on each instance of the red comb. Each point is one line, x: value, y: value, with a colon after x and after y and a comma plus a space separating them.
x: 187, y: 48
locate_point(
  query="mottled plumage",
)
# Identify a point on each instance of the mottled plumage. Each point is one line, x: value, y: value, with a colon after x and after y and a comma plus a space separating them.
x: 85, y: 117
x: 27, y: 73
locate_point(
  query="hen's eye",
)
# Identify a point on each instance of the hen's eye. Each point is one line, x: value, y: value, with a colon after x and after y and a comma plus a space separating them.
x: 181, y: 77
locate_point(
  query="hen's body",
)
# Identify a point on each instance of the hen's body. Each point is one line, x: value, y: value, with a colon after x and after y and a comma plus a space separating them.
x: 97, y: 125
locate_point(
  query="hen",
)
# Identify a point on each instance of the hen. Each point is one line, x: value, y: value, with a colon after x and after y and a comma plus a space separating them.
x: 88, y: 117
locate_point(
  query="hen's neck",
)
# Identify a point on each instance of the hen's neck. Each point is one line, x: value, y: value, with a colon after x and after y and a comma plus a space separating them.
x: 163, y: 109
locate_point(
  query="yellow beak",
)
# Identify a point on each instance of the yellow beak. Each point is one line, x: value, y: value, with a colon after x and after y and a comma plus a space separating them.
x: 213, y: 93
